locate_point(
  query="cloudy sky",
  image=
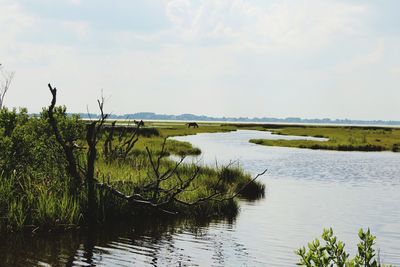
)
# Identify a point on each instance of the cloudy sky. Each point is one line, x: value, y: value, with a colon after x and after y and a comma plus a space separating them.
x: 299, y: 58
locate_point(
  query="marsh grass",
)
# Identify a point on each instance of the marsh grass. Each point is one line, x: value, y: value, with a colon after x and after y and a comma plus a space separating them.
x: 340, y: 138
x: 27, y: 204
x: 129, y: 176
x: 34, y: 184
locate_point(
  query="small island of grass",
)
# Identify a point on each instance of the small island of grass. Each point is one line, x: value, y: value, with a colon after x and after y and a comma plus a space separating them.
x: 341, y: 138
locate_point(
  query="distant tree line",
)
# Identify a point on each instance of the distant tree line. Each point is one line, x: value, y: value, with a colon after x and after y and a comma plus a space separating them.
x: 192, y: 117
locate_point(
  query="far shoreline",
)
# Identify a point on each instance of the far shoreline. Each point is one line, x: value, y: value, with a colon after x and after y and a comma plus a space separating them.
x: 254, y: 124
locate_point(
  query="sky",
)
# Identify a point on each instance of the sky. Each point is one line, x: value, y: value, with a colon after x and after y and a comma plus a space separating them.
x: 250, y: 58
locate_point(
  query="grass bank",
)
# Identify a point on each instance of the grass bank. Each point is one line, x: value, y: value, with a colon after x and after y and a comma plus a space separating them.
x: 34, y: 181
x: 164, y: 130
x: 340, y: 138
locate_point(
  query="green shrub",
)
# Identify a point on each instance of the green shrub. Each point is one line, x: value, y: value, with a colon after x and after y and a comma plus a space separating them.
x: 333, y: 253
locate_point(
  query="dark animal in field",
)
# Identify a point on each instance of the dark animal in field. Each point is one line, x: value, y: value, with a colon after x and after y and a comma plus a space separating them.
x: 192, y: 124
x: 139, y: 123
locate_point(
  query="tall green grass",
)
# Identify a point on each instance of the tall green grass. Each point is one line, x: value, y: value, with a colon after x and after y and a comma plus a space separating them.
x: 26, y: 205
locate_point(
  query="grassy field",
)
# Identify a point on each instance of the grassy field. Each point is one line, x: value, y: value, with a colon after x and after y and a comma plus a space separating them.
x: 343, y: 138
x: 340, y: 138
x: 169, y: 129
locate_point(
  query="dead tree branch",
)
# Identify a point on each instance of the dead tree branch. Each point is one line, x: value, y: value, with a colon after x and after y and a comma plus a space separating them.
x: 93, y: 135
x: 68, y: 147
x: 125, y: 143
x: 161, y: 198
x: 155, y: 194
x: 5, y: 83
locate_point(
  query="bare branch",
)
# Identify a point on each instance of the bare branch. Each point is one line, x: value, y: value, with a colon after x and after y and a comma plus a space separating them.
x: 67, y: 147
x: 152, y: 163
x: 212, y: 196
x: 249, y: 182
x: 5, y: 83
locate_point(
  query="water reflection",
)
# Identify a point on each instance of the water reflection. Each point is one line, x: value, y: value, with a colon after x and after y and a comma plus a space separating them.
x: 150, y: 243
x: 306, y: 191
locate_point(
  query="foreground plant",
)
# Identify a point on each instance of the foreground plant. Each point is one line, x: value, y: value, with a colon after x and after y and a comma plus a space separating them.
x: 332, y: 253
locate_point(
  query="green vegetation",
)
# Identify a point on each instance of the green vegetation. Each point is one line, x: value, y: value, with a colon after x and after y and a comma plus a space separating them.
x: 169, y: 129
x: 340, y: 138
x: 58, y: 172
x: 333, y: 252
x: 33, y: 178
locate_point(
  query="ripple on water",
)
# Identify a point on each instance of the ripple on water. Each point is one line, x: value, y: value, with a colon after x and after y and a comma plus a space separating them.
x: 307, y: 190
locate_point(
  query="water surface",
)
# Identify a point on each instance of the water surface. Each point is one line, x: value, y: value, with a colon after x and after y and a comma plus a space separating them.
x: 307, y: 190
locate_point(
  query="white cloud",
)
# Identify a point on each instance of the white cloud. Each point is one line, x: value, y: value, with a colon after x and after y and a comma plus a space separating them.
x: 75, y: 2
x: 396, y: 70
x: 80, y: 28
x: 178, y: 11
x: 13, y: 24
x: 362, y: 61
x: 239, y: 57
x: 280, y: 23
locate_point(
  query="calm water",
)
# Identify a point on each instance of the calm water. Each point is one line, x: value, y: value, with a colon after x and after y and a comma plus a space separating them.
x: 307, y: 190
